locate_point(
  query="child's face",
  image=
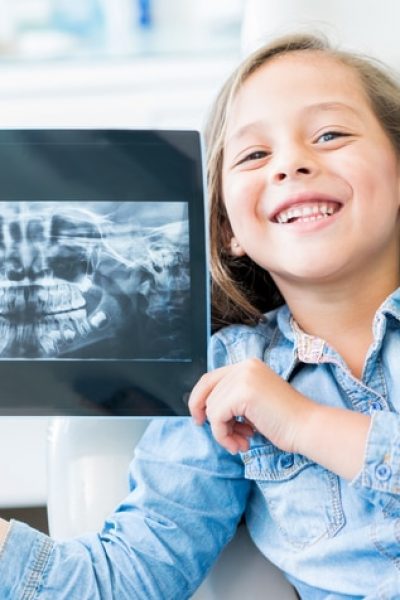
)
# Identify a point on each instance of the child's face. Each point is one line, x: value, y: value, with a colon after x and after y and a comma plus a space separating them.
x: 302, y: 137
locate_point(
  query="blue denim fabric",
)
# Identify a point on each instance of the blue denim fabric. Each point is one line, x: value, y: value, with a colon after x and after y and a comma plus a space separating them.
x: 334, y: 539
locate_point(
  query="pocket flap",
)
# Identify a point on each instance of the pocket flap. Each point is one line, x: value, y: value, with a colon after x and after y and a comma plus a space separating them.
x: 268, y: 463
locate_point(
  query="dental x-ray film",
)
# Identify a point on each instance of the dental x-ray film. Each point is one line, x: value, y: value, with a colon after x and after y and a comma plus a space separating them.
x: 103, y: 280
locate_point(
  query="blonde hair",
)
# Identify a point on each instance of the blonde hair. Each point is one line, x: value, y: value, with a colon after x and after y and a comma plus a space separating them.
x: 241, y: 290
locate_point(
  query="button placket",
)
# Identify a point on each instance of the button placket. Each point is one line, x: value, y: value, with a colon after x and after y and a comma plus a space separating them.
x: 363, y: 398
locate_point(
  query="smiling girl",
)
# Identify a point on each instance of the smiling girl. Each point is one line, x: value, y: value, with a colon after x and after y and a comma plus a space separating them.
x: 305, y: 197
x: 301, y: 405
x: 310, y: 186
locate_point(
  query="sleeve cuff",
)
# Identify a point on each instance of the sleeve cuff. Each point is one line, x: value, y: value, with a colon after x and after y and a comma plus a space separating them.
x: 381, y: 468
x: 4, y: 531
x: 24, y: 558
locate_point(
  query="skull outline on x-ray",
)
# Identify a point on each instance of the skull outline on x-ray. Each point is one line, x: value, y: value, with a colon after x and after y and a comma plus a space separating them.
x: 71, y: 277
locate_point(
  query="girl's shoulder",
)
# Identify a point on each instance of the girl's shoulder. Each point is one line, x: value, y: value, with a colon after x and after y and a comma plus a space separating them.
x: 237, y: 342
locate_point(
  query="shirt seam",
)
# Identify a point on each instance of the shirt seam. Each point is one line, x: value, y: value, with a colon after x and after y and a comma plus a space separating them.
x: 37, y: 570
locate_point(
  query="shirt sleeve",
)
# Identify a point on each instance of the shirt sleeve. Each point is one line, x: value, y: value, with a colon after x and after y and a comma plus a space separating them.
x: 187, y: 497
x: 379, y: 478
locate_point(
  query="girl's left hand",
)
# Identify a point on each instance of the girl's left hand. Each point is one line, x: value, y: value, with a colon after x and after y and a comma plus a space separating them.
x: 251, y: 390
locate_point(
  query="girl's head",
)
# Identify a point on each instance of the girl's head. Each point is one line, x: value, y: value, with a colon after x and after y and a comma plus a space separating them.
x: 243, y: 287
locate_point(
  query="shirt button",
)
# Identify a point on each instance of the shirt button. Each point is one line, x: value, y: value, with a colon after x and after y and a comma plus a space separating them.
x: 375, y: 405
x: 287, y: 461
x: 383, y: 472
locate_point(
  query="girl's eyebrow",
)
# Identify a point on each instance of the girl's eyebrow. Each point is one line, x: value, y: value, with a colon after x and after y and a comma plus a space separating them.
x: 255, y: 126
x: 331, y: 106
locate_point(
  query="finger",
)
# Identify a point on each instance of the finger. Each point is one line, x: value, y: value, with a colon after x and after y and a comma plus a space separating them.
x: 233, y: 442
x: 229, y: 435
x: 244, y: 429
x: 203, y: 388
x: 249, y: 423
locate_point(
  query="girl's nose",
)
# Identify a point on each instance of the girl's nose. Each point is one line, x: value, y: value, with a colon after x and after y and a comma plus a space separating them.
x: 294, y: 165
x: 283, y: 174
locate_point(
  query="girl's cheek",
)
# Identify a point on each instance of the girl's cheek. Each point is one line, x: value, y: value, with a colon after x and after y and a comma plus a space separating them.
x: 244, y: 195
x: 243, y: 187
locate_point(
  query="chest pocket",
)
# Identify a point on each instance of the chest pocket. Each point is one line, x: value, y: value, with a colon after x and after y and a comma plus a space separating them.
x: 303, y: 498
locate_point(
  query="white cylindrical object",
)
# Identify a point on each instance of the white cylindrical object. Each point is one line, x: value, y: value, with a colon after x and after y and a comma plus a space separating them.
x: 118, y: 25
x: 7, y: 25
x: 87, y: 469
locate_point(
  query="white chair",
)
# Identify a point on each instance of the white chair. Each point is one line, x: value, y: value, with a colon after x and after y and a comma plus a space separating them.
x: 23, y: 477
x: 87, y: 477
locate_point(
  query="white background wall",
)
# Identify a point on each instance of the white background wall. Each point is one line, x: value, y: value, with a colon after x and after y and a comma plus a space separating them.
x: 146, y: 92
x: 369, y: 26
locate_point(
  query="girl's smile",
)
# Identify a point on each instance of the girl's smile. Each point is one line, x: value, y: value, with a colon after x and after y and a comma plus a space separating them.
x: 311, y: 180
x: 306, y: 207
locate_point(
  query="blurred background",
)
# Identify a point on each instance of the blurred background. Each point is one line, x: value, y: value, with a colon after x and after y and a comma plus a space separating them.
x: 139, y: 63
x: 154, y: 63
x: 114, y: 63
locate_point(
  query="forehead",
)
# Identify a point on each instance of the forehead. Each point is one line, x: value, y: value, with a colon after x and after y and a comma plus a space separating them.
x: 298, y: 79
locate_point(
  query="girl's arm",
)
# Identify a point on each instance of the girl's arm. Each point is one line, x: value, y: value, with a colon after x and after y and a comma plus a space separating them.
x: 187, y: 497
x: 333, y: 437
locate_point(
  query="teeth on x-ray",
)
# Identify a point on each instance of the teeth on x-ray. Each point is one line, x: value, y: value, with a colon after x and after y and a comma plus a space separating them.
x: 73, y: 276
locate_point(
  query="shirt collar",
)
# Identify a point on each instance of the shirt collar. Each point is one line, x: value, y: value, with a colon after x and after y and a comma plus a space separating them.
x: 310, y: 348
x: 391, y: 306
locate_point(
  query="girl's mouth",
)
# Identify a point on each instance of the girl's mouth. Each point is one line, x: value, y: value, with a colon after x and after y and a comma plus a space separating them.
x: 307, y: 212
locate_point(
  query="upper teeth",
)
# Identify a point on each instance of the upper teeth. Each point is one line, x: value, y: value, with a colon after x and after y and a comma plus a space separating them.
x: 315, y: 210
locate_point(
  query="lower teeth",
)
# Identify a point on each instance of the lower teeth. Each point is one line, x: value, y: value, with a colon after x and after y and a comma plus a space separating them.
x: 306, y: 219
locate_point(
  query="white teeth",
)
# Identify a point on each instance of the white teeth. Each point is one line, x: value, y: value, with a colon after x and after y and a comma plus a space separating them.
x: 53, y: 332
x: 12, y: 295
x: 40, y: 299
x: 80, y: 322
x: 99, y: 319
x: 43, y: 296
x: 77, y: 300
x: 4, y: 334
x: 48, y: 335
x: 19, y: 300
x: 307, y: 212
x: 68, y: 334
x: 296, y: 212
x: 66, y: 328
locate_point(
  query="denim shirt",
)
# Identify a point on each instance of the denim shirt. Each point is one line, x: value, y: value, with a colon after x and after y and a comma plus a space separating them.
x: 333, y: 538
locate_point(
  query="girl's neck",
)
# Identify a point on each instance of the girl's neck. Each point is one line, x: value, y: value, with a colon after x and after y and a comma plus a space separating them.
x: 342, y: 315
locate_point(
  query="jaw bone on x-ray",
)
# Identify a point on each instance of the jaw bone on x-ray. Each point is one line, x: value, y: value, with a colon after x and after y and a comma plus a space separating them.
x: 94, y: 280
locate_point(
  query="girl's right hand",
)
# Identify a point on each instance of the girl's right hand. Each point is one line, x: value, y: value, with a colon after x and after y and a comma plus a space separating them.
x: 252, y: 391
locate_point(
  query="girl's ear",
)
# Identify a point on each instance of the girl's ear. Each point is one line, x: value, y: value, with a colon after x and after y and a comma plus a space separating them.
x: 236, y: 248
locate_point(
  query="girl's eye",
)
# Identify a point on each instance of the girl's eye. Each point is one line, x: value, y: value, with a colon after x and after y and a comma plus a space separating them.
x: 256, y: 155
x: 329, y: 136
